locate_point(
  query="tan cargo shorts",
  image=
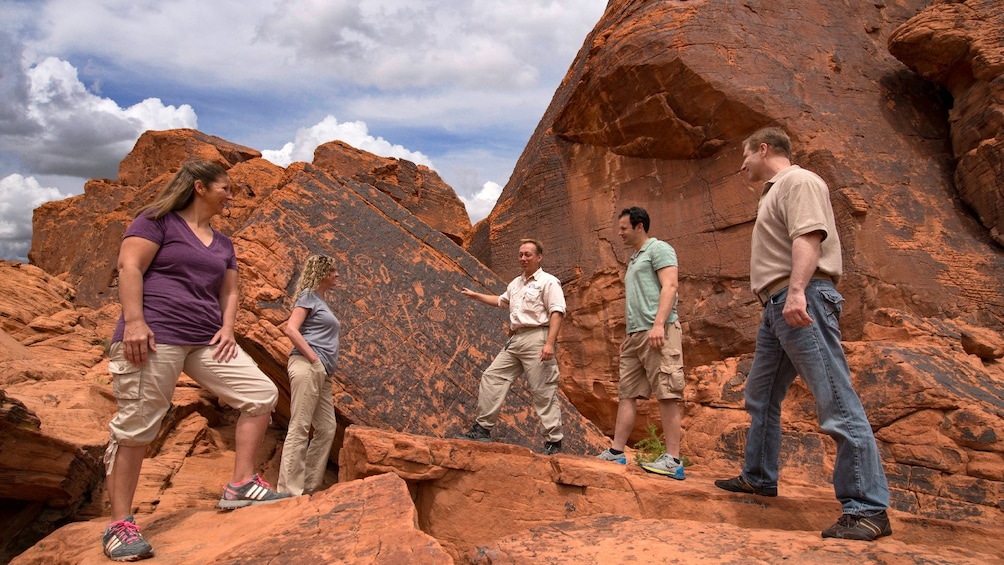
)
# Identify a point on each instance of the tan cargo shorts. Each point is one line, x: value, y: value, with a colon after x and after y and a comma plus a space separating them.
x: 645, y: 371
x: 144, y: 392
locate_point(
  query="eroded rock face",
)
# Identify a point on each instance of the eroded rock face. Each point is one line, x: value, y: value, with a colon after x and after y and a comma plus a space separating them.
x: 960, y: 45
x: 416, y: 187
x: 653, y: 112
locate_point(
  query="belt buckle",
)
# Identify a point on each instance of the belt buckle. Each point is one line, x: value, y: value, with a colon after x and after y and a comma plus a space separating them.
x: 764, y: 297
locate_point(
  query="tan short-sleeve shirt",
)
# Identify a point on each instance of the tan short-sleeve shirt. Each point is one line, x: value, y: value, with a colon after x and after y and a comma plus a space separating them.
x: 532, y: 299
x: 794, y: 202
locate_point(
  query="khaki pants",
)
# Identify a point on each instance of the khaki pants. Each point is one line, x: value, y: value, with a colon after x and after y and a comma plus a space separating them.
x: 522, y: 355
x: 304, y: 459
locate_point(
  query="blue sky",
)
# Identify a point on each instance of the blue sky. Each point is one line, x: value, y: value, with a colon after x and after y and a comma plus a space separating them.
x: 458, y: 86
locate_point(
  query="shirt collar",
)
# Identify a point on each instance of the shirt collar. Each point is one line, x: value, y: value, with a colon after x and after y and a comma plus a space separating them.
x: 534, y: 276
x: 644, y: 246
x: 767, y: 185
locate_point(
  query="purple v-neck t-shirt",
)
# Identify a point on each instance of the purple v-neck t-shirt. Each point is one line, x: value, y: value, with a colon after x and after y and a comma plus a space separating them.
x: 181, y: 287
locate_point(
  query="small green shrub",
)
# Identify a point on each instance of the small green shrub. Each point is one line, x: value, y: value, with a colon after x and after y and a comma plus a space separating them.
x: 650, y: 448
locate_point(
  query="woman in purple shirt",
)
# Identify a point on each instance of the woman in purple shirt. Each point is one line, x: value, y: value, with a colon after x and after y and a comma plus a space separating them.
x: 178, y: 288
x: 313, y: 329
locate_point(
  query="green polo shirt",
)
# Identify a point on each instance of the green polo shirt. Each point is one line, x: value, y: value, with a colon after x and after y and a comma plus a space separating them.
x: 641, y: 284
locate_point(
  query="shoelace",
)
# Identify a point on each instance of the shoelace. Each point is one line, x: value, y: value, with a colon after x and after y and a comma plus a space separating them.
x: 128, y: 531
x: 257, y: 479
x: 847, y: 520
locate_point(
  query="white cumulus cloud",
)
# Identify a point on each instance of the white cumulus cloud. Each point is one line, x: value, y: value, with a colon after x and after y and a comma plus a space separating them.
x: 53, y: 125
x: 481, y: 204
x: 76, y: 132
x: 19, y: 196
x: 355, y: 134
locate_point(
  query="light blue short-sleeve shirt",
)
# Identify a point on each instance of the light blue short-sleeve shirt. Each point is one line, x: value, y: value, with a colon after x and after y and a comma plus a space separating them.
x: 641, y: 284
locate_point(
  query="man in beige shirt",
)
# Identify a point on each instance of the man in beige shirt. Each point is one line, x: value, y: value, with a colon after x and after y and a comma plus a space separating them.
x: 795, y: 261
x: 536, y: 306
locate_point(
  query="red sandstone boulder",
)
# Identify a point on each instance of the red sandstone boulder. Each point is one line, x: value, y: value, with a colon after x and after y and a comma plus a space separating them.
x: 416, y: 187
x: 369, y: 521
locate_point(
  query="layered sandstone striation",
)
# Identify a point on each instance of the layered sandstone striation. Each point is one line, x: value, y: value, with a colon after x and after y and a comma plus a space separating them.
x: 960, y: 45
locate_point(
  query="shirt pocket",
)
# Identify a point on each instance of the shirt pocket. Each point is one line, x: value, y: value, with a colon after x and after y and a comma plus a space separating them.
x: 531, y: 299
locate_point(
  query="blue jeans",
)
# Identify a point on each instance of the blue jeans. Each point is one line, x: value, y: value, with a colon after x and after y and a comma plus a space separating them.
x: 814, y: 352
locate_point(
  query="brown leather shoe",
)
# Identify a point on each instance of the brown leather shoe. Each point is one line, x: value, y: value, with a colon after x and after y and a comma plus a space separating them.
x: 740, y: 484
x: 864, y: 528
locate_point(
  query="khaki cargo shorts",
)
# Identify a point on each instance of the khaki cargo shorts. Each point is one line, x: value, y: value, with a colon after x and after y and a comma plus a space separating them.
x: 144, y: 392
x: 645, y: 371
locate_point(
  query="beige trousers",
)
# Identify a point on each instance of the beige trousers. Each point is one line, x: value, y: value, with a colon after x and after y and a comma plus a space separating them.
x: 304, y: 459
x: 522, y: 355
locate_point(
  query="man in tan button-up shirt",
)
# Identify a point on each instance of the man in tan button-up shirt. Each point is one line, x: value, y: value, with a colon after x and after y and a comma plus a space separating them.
x: 536, y: 306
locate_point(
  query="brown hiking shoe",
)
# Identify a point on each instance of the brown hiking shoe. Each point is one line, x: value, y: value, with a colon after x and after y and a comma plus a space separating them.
x: 740, y: 484
x: 864, y: 528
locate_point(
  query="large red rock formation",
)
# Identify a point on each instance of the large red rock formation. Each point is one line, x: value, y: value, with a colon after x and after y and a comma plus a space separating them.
x: 416, y: 187
x: 412, y: 349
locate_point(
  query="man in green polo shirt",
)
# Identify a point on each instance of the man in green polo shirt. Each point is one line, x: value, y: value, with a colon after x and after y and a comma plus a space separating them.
x: 651, y: 359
